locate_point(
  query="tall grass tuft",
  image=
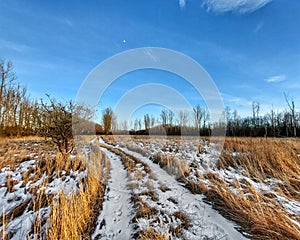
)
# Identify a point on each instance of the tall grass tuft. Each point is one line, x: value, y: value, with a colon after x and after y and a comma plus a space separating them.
x: 74, y: 216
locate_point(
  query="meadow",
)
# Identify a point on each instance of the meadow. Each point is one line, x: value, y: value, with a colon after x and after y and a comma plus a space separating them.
x: 151, y: 187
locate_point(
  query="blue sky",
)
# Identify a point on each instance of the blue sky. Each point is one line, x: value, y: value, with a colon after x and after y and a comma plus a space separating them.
x: 250, y: 48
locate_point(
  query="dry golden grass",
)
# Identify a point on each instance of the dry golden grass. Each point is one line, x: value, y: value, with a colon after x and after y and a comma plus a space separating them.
x: 17, y: 150
x: 151, y: 194
x: 258, y: 212
x: 150, y: 234
x: 143, y: 210
x: 10, y: 183
x: 73, y: 216
x: 185, y: 223
x: 263, y: 158
x: 13, y: 152
x: 164, y: 188
x: 172, y: 164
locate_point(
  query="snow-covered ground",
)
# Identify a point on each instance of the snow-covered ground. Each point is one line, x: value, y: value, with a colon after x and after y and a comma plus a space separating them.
x: 203, y: 160
x: 173, y: 211
x: 18, y: 202
x: 114, y: 220
x: 206, y: 162
x: 204, y: 222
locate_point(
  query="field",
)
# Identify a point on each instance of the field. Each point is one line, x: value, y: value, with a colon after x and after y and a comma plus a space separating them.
x: 141, y: 187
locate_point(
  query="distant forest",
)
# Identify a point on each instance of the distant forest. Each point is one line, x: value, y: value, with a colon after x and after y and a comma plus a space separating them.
x: 21, y: 116
x: 272, y: 124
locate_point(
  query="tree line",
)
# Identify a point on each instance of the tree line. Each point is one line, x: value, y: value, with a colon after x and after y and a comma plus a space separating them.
x: 274, y: 123
x: 18, y: 113
x: 20, y: 116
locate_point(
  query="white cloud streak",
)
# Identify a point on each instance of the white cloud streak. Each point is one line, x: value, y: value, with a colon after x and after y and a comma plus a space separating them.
x: 18, y: 47
x: 276, y: 78
x: 258, y: 27
x: 239, y: 6
x: 182, y: 3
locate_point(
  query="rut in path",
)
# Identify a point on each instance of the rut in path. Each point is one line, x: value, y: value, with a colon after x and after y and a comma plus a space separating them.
x: 113, y: 222
x: 204, y: 222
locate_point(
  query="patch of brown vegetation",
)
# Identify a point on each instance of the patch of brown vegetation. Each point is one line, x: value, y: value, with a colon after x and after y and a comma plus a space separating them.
x: 257, y: 212
x: 150, y: 194
x: 74, y: 216
x: 164, y: 188
x: 14, y: 151
x: 16, y: 212
x: 172, y: 164
x: 10, y: 183
x: 144, y: 211
x: 149, y: 234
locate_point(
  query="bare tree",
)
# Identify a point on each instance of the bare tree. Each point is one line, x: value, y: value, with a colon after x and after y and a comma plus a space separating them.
x: 183, y: 118
x: 291, y: 104
x: 81, y: 123
x: 152, y: 122
x: 228, y: 117
x: 255, y: 113
x: 56, y: 123
x: 171, y: 118
x: 147, y: 122
x: 140, y: 124
x: 205, y: 117
x: 164, y: 117
x: 136, y: 124
x: 7, y: 77
x: 235, y: 122
x: 114, y: 125
x: 17, y: 112
x: 272, y: 118
x: 124, y: 125
x: 198, y: 115
x: 107, y: 119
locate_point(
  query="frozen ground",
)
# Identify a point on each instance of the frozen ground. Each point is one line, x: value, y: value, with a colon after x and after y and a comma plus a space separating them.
x: 204, y: 222
x: 169, y: 200
x: 203, y: 161
x: 18, y: 201
x: 114, y: 220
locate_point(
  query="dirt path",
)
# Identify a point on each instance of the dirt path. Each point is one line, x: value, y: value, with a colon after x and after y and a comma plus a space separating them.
x: 113, y: 222
x: 205, y: 222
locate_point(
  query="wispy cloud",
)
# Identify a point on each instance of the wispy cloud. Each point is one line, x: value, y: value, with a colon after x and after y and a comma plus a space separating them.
x: 276, y: 78
x: 65, y: 21
x: 258, y: 27
x: 182, y: 3
x: 18, y: 47
x: 225, y: 55
x: 240, y: 6
x: 237, y: 101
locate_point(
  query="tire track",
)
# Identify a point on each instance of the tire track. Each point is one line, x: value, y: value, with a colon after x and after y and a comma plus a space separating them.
x: 204, y: 222
x: 114, y: 220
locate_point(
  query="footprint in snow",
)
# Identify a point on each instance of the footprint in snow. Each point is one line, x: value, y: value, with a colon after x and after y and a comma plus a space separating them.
x: 119, y: 212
